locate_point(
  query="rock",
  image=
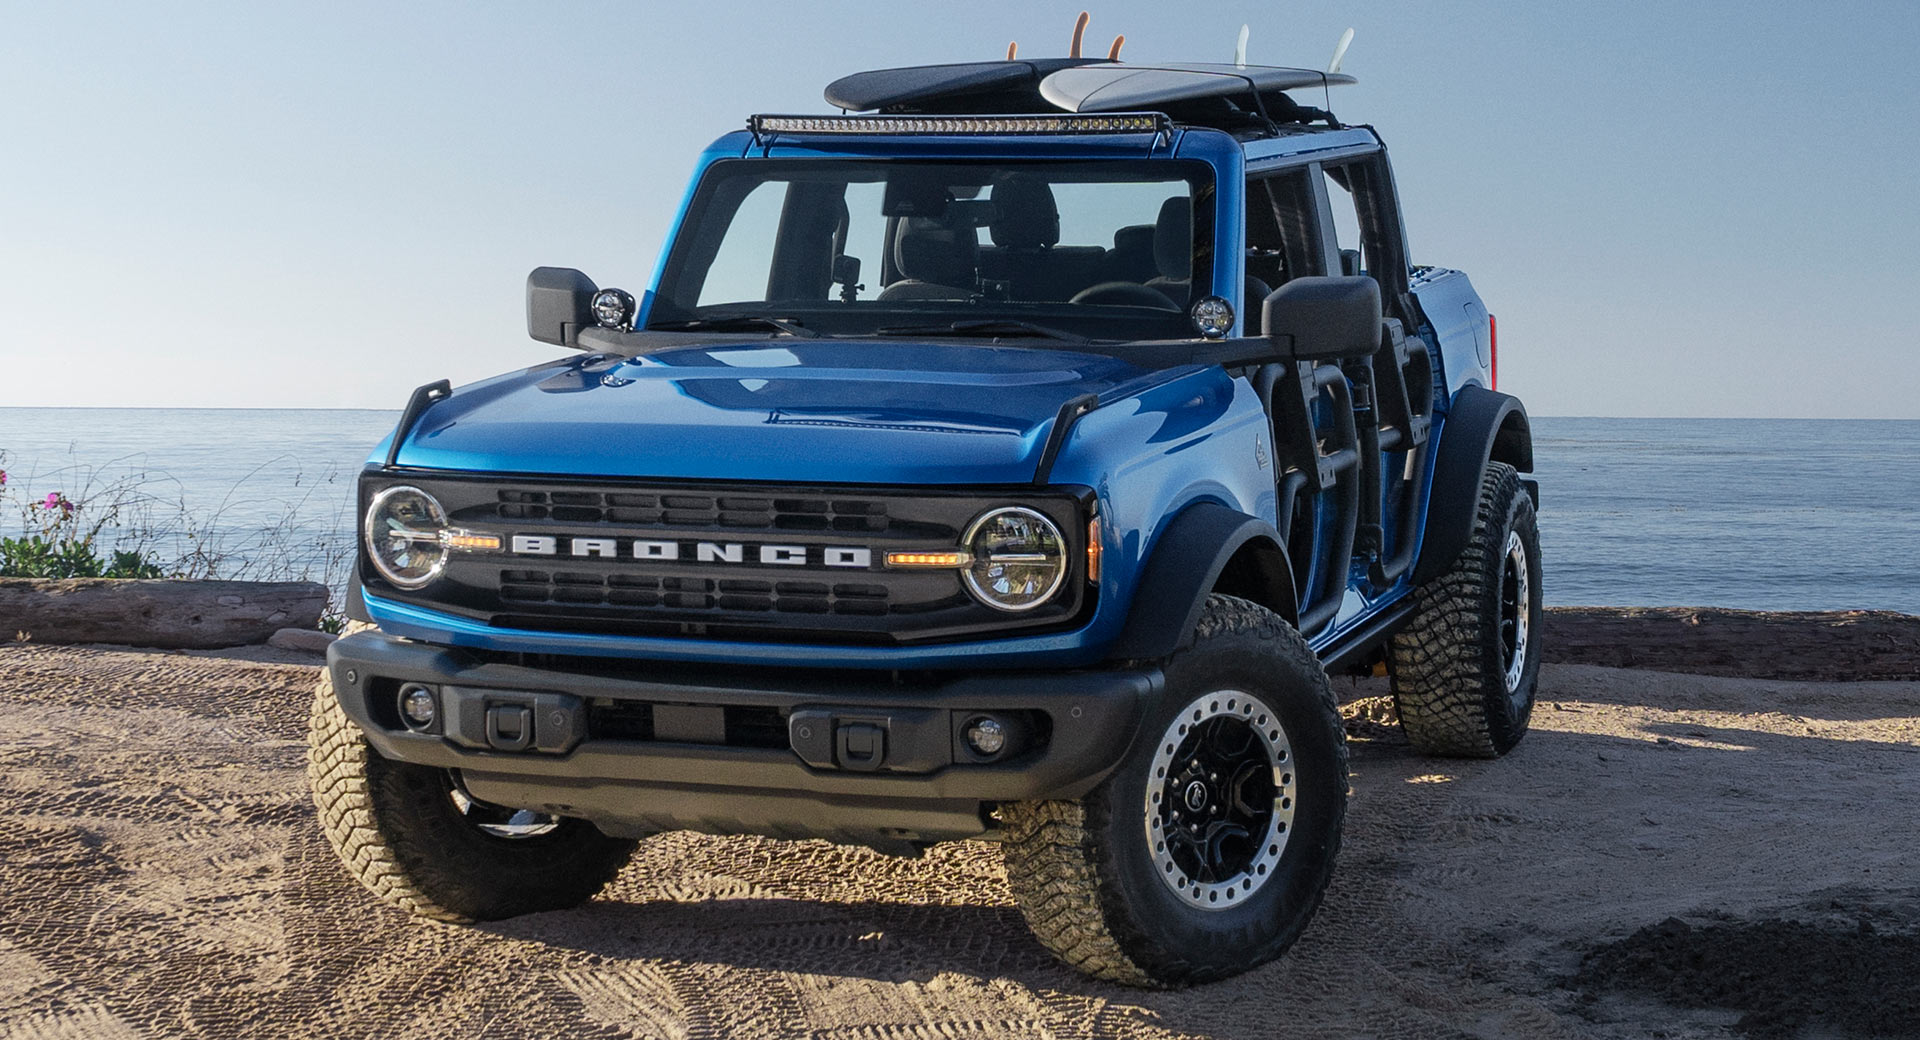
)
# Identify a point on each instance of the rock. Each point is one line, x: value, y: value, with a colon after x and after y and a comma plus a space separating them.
x: 309, y: 639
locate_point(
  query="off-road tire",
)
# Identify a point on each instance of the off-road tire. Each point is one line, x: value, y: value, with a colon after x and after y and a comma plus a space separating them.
x: 1083, y: 871
x: 399, y: 832
x: 1449, y: 666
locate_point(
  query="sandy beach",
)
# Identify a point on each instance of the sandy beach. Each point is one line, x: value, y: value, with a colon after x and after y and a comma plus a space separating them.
x: 1667, y: 854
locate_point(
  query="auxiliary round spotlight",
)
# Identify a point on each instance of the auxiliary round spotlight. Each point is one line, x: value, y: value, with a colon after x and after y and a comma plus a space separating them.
x: 986, y: 736
x: 613, y: 308
x: 1212, y: 317
x: 416, y: 703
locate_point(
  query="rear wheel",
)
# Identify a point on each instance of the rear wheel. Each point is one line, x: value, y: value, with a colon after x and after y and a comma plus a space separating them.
x: 414, y: 836
x: 1206, y: 852
x: 1466, y: 669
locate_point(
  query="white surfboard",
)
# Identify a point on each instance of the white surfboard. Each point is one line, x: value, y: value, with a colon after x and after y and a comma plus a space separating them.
x: 1122, y: 88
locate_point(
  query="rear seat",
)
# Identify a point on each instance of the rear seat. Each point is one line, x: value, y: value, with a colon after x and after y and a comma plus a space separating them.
x: 1131, y: 258
x: 1026, y: 252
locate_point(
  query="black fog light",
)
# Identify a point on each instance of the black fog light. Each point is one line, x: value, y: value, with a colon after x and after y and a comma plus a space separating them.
x: 986, y: 736
x: 417, y: 706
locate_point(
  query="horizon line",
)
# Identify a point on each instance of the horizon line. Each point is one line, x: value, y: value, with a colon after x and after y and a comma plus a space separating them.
x: 341, y: 408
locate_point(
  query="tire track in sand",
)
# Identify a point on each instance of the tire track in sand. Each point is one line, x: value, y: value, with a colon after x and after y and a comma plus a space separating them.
x: 161, y: 875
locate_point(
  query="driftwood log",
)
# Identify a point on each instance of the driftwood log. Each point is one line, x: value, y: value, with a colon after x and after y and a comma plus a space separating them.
x: 1810, y: 646
x: 189, y: 615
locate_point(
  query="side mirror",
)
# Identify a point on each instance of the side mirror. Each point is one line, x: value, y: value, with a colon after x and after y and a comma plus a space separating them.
x: 559, y: 305
x: 1325, y: 317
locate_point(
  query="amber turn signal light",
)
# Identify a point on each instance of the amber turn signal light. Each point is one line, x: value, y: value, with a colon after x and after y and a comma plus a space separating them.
x: 929, y: 559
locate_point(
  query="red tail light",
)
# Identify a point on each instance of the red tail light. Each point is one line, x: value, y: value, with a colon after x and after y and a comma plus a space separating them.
x: 1493, y: 348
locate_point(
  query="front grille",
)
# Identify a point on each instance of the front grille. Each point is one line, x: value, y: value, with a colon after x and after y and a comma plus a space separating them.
x: 666, y: 595
x: 682, y: 510
x: 741, y: 562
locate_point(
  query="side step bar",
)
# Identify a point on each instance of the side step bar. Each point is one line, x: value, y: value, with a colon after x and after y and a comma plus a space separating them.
x: 1352, y: 648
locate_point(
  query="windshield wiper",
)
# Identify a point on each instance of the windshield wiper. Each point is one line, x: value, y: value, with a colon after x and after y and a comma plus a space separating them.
x: 983, y: 327
x: 736, y: 321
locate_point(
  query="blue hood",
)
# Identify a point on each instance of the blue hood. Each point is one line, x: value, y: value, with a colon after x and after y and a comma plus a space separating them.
x: 808, y: 411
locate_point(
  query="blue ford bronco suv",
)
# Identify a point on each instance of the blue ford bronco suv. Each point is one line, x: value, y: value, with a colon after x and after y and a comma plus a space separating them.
x: 1011, y: 456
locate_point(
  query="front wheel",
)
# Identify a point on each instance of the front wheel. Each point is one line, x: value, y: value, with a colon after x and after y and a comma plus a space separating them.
x: 1207, y: 850
x: 1466, y: 667
x: 414, y: 837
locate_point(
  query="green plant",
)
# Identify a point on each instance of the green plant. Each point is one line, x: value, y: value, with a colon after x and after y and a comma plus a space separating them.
x: 128, y: 563
x: 122, y: 519
x: 61, y: 544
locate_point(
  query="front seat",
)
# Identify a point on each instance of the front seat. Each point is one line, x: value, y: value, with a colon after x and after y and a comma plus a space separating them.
x: 1173, y: 250
x: 1173, y: 258
x: 935, y: 262
x: 1026, y: 227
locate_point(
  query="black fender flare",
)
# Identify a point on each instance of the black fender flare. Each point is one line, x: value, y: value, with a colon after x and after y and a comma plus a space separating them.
x: 1482, y: 426
x: 1187, y: 564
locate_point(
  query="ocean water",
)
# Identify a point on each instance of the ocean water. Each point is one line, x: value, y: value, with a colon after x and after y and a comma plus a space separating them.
x: 238, y: 493
x: 1765, y: 514
x: 1759, y: 514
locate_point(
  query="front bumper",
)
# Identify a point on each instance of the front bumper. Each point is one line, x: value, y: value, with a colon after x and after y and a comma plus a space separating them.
x: 639, y: 747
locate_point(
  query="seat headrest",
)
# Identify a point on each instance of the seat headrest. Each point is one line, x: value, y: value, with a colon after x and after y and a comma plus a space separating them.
x: 1173, y: 238
x: 926, y: 251
x: 1134, y: 240
x: 1025, y: 215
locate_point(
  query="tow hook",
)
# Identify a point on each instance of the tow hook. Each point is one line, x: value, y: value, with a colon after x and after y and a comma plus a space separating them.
x: 509, y: 727
x: 861, y: 746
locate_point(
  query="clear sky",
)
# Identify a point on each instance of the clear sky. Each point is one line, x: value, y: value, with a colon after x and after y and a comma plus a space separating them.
x: 1675, y: 208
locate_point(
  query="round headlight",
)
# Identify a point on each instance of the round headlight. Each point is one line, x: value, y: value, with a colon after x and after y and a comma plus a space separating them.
x: 1019, y: 559
x: 613, y: 308
x: 403, y: 536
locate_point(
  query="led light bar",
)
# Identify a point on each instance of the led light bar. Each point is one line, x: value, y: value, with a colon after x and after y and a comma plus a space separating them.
x: 1112, y: 123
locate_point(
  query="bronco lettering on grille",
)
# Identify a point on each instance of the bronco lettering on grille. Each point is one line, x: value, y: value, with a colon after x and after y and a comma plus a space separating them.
x: 700, y: 552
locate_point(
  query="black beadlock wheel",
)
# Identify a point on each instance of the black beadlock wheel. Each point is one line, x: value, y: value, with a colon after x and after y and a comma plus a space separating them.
x: 1466, y: 668
x: 414, y: 836
x: 1206, y: 852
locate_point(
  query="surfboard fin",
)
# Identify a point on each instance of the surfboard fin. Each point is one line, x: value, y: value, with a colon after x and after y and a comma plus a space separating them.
x: 1340, y: 50
x: 1240, y: 48
x: 1013, y: 49
x: 1113, y: 52
x: 1079, y: 31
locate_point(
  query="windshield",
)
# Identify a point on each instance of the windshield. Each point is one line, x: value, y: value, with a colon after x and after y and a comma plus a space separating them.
x: 1106, y: 249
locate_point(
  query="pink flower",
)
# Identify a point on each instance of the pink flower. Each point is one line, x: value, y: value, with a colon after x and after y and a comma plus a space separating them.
x: 3, y: 478
x: 56, y: 500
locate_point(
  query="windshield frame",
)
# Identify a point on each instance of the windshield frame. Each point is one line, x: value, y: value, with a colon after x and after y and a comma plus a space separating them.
x: 866, y: 317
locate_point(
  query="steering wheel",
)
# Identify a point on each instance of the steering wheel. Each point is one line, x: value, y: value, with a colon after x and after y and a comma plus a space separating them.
x: 1125, y: 294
